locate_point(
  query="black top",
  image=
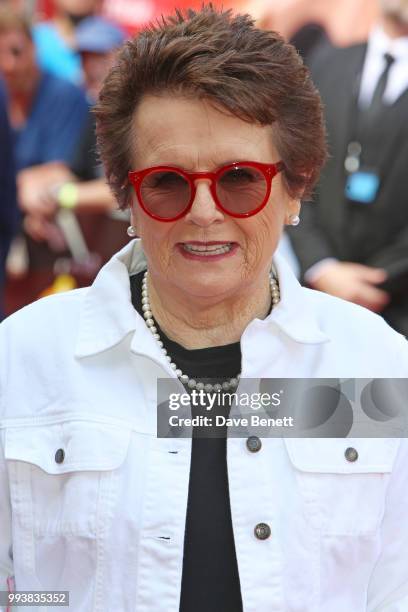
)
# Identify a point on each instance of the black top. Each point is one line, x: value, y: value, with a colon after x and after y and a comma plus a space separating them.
x: 210, y: 580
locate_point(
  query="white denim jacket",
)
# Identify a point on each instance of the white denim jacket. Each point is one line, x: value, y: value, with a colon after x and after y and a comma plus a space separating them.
x: 78, y: 372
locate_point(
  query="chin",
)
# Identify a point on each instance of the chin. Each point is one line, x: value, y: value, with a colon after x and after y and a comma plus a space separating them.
x: 207, y: 286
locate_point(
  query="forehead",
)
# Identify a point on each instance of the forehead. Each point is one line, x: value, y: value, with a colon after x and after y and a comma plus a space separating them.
x: 15, y: 37
x: 194, y: 134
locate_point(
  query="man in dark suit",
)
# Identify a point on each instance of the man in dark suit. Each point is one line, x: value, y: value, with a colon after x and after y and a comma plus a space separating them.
x: 355, y: 235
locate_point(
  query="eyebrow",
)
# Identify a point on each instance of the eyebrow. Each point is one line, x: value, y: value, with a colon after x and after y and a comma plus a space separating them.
x: 190, y: 167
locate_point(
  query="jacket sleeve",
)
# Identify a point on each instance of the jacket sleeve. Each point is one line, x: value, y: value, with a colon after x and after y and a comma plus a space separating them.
x: 388, y: 588
x: 6, y: 562
x: 396, y: 250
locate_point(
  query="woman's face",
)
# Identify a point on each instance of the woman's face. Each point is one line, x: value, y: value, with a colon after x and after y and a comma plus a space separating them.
x: 194, y: 136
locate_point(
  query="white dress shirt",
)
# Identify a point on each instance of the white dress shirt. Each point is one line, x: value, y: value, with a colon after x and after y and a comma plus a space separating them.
x: 374, y: 64
x: 106, y: 522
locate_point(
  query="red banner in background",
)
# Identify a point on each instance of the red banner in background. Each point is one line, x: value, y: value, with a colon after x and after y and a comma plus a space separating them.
x: 133, y: 14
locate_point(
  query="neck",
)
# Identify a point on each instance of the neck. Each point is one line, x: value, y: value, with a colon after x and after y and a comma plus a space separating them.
x: 199, y: 323
x: 394, y: 28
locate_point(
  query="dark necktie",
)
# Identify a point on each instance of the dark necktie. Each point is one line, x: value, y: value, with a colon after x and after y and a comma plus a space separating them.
x: 377, y: 105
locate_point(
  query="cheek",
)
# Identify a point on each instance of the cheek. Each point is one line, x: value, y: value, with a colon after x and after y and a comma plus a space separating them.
x: 143, y: 224
x: 156, y: 240
x: 263, y: 236
x: 157, y: 254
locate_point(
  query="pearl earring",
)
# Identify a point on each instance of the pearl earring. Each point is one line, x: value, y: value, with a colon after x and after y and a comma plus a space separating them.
x: 131, y: 231
x: 294, y: 220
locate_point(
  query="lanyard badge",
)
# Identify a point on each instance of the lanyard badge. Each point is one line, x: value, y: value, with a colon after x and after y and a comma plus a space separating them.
x: 362, y: 184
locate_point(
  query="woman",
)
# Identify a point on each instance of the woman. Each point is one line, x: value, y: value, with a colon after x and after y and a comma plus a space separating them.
x: 210, y: 131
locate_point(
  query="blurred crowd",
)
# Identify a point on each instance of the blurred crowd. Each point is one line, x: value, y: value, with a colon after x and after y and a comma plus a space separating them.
x: 58, y: 220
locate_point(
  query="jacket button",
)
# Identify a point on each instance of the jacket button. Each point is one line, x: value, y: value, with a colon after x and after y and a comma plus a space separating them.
x: 351, y: 454
x: 254, y: 444
x: 262, y: 531
x: 59, y: 455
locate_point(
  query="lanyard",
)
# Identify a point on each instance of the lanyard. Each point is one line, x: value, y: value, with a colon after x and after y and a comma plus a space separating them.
x: 353, y: 158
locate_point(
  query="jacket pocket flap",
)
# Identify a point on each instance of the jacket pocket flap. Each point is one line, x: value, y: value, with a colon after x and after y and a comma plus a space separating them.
x: 69, y: 446
x: 343, y: 455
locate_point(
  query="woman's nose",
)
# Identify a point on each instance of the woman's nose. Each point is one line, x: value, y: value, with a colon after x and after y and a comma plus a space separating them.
x: 204, y: 210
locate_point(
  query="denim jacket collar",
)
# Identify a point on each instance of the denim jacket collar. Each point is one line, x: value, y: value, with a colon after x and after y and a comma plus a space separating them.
x: 108, y: 316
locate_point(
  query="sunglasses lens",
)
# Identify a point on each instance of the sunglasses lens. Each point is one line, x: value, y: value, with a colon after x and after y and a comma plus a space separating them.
x: 241, y: 189
x: 165, y: 193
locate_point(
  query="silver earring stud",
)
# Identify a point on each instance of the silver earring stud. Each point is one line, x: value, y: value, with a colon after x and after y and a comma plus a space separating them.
x: 294, y: 219
x: 131, y: 231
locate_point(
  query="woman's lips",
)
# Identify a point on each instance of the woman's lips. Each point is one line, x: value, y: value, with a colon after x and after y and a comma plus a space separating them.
x: 207, y: 251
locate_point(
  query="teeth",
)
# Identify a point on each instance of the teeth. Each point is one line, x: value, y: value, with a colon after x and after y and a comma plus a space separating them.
x: 209, y: 249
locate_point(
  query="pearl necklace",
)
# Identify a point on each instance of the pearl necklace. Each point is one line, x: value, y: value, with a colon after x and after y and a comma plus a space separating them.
x: 191, y: 383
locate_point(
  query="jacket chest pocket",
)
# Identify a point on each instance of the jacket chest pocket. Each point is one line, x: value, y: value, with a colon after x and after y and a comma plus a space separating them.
x: 62, y: 476
x: 343, y: 481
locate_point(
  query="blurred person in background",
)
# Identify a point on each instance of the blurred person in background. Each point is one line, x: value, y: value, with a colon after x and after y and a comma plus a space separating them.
x: 307, y: 24
x: 8, y: 204
x: 55, y: 40
x: 83, y: 188
x: 46, y: 114
x: 353, y: 241
x: 97, y: 40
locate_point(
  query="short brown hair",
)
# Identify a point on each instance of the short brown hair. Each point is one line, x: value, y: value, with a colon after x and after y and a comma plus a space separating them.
x: 212, y: 54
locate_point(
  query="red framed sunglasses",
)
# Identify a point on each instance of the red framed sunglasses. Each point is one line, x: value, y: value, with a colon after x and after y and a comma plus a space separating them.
x: 239, y: 189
